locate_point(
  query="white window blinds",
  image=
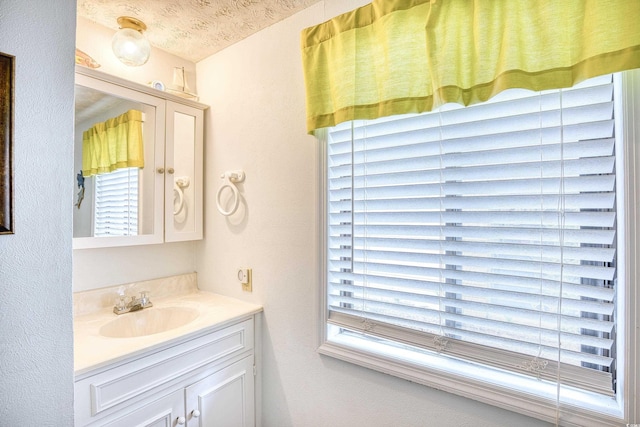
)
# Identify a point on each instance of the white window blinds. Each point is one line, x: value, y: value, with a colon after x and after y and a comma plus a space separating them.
x: 116, y: 203
x: 486, y: 233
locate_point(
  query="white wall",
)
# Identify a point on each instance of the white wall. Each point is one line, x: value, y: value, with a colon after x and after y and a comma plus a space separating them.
x: 257, y: 122
x: 36, y: 336
x: 97, y: 268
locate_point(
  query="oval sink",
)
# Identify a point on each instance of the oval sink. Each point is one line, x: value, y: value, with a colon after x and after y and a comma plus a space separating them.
x: 149, y: 321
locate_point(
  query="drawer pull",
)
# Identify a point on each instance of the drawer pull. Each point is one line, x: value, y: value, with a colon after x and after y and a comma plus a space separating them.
x: 195, y: 413
x: 181, y: 421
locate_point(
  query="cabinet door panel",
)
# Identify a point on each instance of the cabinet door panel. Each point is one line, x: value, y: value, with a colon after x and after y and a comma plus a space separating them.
x: 184, y: 165
x: 161, y: 413
x: 223, y: 399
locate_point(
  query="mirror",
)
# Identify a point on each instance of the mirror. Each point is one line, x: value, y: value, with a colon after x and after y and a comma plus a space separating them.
x: 123, y: 206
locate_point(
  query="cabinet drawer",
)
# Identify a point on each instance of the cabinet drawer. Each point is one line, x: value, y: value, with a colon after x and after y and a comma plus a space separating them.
x: 103, y: 392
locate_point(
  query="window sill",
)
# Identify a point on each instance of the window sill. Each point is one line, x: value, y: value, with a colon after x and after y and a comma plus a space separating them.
x: 509, y: 391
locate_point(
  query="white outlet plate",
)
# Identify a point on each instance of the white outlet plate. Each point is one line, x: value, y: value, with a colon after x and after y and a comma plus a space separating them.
x: 244, y: 276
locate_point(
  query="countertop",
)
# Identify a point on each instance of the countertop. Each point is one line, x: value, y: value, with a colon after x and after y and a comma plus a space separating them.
x: 93, y: 351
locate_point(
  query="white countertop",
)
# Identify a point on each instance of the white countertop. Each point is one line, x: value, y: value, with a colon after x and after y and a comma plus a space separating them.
x: 92, y: 350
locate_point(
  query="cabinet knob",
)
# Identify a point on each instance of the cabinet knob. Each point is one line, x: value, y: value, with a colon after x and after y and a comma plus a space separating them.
x: 181, y: 421
x: 160, y: 170
x: 195, y: 413
x: 170, y: 170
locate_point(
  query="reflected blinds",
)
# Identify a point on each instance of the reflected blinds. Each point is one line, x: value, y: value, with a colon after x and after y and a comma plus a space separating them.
x: 116, y: 203
x: 486, y: 233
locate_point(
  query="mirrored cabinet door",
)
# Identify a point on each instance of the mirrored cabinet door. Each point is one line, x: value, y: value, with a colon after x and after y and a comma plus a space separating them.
x: 119, y: 141
x: 183, y: 182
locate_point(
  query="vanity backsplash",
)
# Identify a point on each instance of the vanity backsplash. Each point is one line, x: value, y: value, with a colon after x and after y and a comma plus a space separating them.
x: 87, y: 302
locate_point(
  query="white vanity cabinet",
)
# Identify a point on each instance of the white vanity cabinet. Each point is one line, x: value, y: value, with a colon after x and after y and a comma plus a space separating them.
x: 164, y: 203
x: 204, y: 380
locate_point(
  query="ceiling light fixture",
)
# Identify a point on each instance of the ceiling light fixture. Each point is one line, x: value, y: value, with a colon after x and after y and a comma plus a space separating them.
x: 129, y: 44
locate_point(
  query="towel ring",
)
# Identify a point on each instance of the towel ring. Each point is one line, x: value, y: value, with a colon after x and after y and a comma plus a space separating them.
x: 177, y: 191
x: 230, y: 178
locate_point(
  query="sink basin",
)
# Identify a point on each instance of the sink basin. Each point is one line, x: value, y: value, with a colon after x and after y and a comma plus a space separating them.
x: 149, y: 321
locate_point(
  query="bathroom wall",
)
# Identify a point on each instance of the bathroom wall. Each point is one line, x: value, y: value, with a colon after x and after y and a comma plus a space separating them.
x: 36, y: 336
x: 96, y: 268
x: 257, y: 123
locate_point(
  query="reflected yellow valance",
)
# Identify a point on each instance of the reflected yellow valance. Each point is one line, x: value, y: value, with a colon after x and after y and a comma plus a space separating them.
x: 114, y: 144
x: 410, y: 56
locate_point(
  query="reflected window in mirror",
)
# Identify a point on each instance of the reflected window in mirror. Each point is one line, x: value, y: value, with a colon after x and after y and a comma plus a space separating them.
x: 113, y: 153
x: 116, y: 203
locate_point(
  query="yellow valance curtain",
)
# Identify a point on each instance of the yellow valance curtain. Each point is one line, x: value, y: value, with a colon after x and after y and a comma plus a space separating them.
x: 114, y: 144
x: 410, y: 56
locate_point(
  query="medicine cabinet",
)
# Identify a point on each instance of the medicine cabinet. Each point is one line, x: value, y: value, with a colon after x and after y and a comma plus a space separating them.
x: 161, y: 200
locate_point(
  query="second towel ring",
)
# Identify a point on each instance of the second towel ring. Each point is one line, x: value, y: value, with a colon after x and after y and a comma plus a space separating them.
x: 179, y: 184
x: 177, y: 192
x: 230, y: 179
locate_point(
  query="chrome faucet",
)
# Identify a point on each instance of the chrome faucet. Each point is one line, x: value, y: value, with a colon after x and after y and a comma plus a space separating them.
x: 134, y: 304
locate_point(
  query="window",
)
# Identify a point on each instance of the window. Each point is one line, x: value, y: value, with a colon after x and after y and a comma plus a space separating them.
x: 482, y: 250
x: 116, y: 203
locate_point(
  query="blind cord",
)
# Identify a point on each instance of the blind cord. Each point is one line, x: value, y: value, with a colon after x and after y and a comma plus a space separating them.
x: 365, y: 229
x: 441, y: 344
x: 352, y: 198
x: 561, y: 222
x: 353, y: 218
x: 541, y: 231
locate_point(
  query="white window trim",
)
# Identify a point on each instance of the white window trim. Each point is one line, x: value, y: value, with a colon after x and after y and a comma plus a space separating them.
x: 449, y: 377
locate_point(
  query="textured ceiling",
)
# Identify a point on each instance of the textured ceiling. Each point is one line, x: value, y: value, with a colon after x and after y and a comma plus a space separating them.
x: 193, y: 29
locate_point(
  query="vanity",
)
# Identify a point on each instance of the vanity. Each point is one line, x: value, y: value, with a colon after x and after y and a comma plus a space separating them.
x: 189, y: 360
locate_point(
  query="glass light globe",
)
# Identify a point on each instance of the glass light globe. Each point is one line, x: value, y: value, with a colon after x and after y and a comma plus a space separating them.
x: 131, y: 47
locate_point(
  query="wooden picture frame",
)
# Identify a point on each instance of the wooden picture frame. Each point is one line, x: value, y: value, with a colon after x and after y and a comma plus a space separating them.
x: 7, y: 83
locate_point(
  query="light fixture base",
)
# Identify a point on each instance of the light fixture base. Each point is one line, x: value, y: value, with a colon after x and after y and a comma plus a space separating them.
x: 133, y: 23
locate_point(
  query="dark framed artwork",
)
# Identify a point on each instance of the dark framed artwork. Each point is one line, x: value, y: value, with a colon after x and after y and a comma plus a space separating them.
x: 7, y: 79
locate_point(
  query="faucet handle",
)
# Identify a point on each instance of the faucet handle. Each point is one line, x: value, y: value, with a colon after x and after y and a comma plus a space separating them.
x: 120, y: 305
x: 144, y: 299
